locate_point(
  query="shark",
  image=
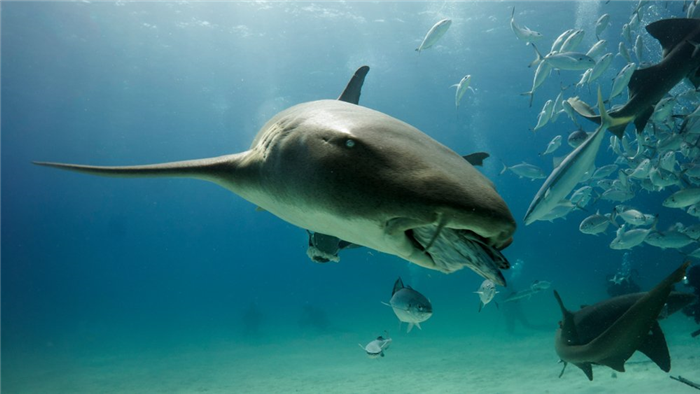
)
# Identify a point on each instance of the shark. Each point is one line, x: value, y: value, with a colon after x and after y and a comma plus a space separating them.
x: 680, y: 40
x: 337, y: 168
x: 609, y: 332
x: 564, y: 178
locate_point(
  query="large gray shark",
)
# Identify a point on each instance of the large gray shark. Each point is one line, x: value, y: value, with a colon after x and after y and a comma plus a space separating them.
x: 609, y: 332
x: 337, y: 168
x: 679, y: 39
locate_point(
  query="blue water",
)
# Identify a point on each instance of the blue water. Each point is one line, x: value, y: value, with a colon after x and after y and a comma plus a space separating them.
x: 98, y: 266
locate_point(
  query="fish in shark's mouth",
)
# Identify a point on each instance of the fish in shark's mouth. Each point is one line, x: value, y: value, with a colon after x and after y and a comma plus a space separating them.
x: 453, y: 249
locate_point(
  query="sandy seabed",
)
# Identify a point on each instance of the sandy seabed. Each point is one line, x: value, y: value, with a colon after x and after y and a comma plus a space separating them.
x: 333, y: 363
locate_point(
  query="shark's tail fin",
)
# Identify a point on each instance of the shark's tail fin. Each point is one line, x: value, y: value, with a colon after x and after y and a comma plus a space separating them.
x: 212, y: 169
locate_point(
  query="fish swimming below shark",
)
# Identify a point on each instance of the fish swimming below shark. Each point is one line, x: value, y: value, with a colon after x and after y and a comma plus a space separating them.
x: 394, y: 179
x: 609, y: 332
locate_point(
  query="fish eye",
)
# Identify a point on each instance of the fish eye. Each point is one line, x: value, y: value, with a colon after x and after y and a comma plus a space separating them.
x: 350, y: 143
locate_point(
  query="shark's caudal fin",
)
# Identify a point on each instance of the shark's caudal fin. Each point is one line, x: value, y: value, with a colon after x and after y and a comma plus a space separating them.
x: 212, y: 169
x: 352, y: 91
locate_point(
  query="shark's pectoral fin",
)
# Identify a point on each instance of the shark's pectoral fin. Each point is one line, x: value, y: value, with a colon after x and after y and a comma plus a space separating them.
x: 481, y: 305
x: 656, y: 349
x: 586, y: 368
x: 640, y: 122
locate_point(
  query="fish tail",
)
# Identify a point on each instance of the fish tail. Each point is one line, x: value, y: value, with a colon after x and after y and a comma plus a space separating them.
x: 505, y: 168
x: 538, y: 56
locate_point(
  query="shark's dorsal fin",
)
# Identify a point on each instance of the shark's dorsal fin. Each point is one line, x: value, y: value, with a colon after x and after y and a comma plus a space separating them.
x: 568, y: 326
x: 398, y: 285
x: 352, y: 91
x: 476, y: 158
x: 671, y: 32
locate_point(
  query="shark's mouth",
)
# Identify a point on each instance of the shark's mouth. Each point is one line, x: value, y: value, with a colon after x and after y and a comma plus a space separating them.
x: 453, y: 249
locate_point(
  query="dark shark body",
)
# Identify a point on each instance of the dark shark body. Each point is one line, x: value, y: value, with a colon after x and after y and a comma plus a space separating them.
x: 609, y: 332
x: 681, y: 59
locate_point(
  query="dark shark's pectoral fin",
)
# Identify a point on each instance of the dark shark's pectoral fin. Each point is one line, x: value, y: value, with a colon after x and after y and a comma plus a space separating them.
x: 352, y: 91
x: 476, y: 158
x: 671, y: 32
x: 656, y: 349
x: 587, y: 369
x: 640, y: 122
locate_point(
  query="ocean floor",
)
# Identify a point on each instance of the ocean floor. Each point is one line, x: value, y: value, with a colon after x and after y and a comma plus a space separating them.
x: 333, y: 363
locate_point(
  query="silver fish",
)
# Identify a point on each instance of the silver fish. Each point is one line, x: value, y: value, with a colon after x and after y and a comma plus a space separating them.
x: 376, y: 348
x: 536, y: 287
x: 409, y: 305
x: 434, y: 34
x: 523, y: 33
x: 452, y: 250
x: 525, y: 170
x: 552, y: 146
x: 683, y: 198
x: 462, y: 87
x: 486, y: 292
x: 595, y: 224
x: 601, y: 24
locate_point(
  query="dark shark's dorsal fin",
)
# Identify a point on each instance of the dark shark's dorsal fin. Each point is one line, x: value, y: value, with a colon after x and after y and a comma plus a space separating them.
x: 568, y: 326
x: 398, y: 285
x: 476, y: 158
x: 656, y: 349
x: 671, y: 32
x: 352, y: 91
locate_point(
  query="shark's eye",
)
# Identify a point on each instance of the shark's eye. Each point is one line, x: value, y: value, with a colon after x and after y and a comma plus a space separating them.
x: 349, y: 143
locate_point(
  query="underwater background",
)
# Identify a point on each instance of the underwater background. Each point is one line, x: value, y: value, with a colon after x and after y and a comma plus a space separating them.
x: 96, y: 270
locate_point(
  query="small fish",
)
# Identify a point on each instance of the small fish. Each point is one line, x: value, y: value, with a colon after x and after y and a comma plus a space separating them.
x: 486, y: 292
x: 556, y: 45
x: 642, y: 170
x: 662, y: 179
x: 581, y: 196
x: 622, y: 51
x: 584, y: 78
x: 544, y: 115
x: 572, y: 42
x: 409, y: 305
x: 571, y: 61
x: 577, y: 138
x: 523, y: 33
x: 622, y: 80
x: 601, y: 24
x: 604, y: 171
x: 376, y: 348
x: 683, y: 198
x: 595, y: 224
x: 601, y: 67
x: 536, y: 287
x: 525, y: 170
x: 462, y: 87
x: 552, y: 146
x: 541, y: 74
x: 638, y: 48
x: 631, y: 215
x: 597, y: 49
x: 627, y: 32
x: 631, y: 238
x: 669, y: 240
x: 434, y: 34
x: 560, y: 211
